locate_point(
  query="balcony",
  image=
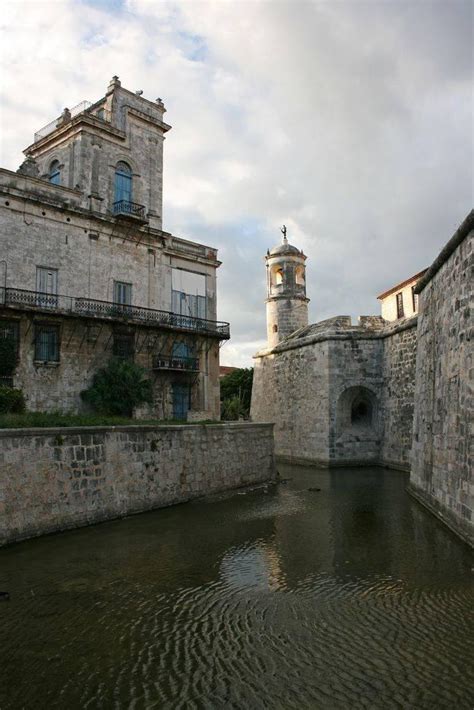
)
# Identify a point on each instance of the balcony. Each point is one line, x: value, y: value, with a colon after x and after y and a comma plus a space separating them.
x: 129, y: 210
x: 176, y: 364
x: 46, y: 303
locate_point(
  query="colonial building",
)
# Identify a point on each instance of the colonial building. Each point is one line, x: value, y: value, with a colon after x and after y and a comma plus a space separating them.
x: 401, y: 301
x: 87, y: 272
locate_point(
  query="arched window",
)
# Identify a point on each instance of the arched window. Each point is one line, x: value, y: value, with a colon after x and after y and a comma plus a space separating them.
x: 299, y: 275
x: 123, y: 183
x: 55, y: 173
x: 276, y: 276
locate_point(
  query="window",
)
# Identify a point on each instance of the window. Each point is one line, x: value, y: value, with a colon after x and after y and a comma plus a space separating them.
x: 9, y: 338
x: 275, y: 328
x: 47, y: 286
x: 47, y: 343
x: 400, y: 312
x: 55, y: 173
x: 122, y: 293
x: 123, y: 183
x: 188, y: 295
x: 124, y: 345
x: 276, y: 276
x: 414, y: 299
x: 300, y: 276
x: 100, y: 114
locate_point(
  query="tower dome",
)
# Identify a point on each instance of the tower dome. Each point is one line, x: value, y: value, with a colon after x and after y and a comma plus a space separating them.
x: 287, y: 304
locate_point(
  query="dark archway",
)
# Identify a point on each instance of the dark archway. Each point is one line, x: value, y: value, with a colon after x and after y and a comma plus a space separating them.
x: 356, y: 409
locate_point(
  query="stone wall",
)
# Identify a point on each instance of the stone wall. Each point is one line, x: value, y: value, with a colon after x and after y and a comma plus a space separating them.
x: 441, y: 475
x: 309, y: 384
x: 55, y: 479
x: 86, y: 346
x: 399, y: 363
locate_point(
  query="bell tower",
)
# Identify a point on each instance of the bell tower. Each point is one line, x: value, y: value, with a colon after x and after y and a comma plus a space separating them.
x: 287, y: 304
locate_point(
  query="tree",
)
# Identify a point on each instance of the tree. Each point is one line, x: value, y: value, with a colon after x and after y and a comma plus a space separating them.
x: 118, y: 388
x: 236, y: 393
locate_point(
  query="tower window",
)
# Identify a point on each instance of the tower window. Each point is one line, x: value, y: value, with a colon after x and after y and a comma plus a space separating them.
x: 300, y: 276
x: 400, y: 311
x: 54, y: 173
x: 414, y: 299
x: 123, y: 183
x: 276, y: 275
x: 275, y: 328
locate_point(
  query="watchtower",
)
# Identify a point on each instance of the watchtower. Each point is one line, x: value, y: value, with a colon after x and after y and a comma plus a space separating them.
x: 287, y: 304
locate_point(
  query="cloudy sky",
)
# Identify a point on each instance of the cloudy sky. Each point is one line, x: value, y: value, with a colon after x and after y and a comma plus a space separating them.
x: 349, y: 121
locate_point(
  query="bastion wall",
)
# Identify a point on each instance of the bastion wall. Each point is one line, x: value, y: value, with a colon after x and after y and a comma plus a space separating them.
x: 307, y: 384
x: 55, y: 479
x: 441, y: 475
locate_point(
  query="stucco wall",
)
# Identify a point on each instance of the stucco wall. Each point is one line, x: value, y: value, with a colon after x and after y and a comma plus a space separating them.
x: 441, y: 475
x: 55, y: 479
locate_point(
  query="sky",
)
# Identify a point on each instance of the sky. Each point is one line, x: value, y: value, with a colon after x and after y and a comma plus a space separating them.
x: 348, y: 121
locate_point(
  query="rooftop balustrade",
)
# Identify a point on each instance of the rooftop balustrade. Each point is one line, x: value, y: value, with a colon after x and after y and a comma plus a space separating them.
x: 47, y: 303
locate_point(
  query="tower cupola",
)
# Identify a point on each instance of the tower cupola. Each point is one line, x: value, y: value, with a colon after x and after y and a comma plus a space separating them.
x: 287, y: 304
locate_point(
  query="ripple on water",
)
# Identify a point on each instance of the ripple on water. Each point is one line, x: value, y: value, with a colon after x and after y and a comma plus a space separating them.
x: 262, y: 601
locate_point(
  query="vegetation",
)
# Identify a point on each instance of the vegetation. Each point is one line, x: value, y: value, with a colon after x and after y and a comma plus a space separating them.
x: 11, y: 400
x: 236, y: 393
x: 118, y: 388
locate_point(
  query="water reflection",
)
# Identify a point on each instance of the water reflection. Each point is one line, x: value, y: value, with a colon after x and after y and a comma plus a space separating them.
x: 350, y: 596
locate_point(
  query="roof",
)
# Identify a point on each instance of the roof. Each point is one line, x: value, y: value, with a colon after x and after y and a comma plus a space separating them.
x: 464, y: 229
x: 226, y: 370
x: 402, y: 284
x: 284, y: 248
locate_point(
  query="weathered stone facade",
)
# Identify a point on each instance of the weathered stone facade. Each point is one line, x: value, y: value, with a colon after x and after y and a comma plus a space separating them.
x: 442, y: 464
x: 56, y: 479
x: 92, y: 269
x: 340, y: 394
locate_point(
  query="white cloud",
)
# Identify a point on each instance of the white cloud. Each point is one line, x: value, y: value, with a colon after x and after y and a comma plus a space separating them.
x: 349, y: 121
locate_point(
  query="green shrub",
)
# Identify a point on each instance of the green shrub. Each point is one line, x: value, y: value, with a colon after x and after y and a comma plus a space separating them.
x: 236, y: 393
x: 11, y: 400
x: 118, y: 388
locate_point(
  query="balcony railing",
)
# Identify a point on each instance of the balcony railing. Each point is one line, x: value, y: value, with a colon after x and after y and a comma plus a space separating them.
x: 180, y: 364
x: 124, y: 208
x: 92, y: 308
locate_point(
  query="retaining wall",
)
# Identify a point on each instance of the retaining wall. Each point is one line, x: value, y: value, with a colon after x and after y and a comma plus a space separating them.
x: 55, y: 479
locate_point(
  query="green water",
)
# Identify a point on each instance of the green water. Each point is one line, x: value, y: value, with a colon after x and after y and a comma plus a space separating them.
x: 348, y: 597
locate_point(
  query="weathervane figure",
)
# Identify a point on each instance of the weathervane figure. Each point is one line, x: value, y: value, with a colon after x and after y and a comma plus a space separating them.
x: 283, y: 231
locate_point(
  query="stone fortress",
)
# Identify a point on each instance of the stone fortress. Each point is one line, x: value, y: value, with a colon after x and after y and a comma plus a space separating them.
x: 87, y: 271
x: 393, y: 390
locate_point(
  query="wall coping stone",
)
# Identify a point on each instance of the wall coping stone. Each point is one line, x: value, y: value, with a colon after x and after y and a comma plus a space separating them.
x: 355, y: 333
x: 51, y: 431
x: 464, y: 229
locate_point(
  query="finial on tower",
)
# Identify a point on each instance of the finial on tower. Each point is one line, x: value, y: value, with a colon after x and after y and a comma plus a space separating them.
x: 283, y: 231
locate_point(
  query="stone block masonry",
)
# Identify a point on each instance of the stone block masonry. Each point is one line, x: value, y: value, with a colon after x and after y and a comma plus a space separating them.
x: 442, y: 462
x: 56, y: 479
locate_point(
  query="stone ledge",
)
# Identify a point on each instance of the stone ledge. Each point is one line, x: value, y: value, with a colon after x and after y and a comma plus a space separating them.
x: 462, y: 530
x: 64, y: 431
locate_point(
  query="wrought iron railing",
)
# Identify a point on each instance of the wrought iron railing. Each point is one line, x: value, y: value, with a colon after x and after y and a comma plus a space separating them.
x: 80, y: 108
x: 92, y: 308
x: 186, y: 364
x: 129, y: 209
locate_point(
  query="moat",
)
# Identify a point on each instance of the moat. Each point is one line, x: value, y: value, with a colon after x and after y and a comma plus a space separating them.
x: 351, y: 596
